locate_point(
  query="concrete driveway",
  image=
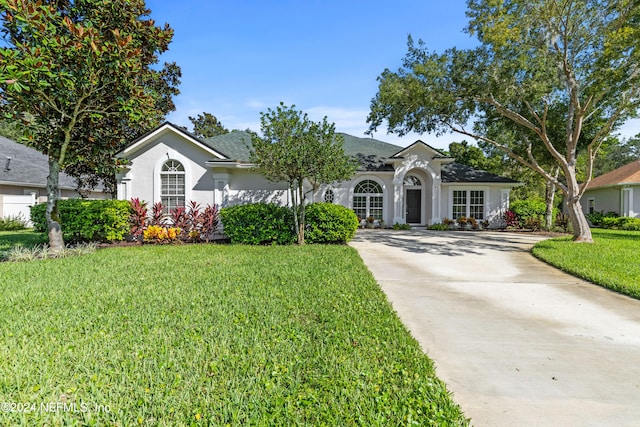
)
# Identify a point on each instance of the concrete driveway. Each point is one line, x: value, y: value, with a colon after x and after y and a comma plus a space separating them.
x: 518, y: 343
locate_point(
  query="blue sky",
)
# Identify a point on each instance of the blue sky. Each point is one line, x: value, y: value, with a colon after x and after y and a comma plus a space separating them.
x: 240, y: 57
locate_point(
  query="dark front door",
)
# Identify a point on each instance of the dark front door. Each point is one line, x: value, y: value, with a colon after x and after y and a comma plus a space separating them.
x: 414, y: 199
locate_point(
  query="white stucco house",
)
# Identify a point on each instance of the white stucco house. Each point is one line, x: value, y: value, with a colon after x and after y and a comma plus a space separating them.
x: 616, y: 191
x: 417, y: 184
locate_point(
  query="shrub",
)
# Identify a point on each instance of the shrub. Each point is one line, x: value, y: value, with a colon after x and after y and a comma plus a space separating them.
x: 563, y: 221
x: 329, y: 223
x: 13, y: 223
x: 258, y: 224
x: 621, y: 223
x: 596, y: 218
x: 511, y: 219
x: 159, y: 234
x: 138, y: 218
x: 533, y: 223
x: 528, y: 210
x: 87, y: 220
x: 193, y: 222
x: 405, y: 226
x: 438, y: 227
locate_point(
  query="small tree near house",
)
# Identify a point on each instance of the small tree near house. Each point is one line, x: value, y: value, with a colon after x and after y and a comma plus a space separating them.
x: 300, y: 152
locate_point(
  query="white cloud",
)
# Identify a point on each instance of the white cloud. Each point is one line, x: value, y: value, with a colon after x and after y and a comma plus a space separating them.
x: 630, y: 129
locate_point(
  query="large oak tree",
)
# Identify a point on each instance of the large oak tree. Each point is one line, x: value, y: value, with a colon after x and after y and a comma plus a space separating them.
x: 81, y: 71
x: 534, y: 57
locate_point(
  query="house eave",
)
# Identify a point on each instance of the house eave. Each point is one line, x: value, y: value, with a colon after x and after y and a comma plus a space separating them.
x: 615, y: 185
x: 165, y: 128
x: 32, y: 185
x: 232, y: 164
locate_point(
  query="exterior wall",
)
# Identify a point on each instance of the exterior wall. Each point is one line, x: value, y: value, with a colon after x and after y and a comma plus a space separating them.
x: 246, y: 186
x: 495, y: 201
x: 605, y: 200
x: 624, y: 201
x: 143, y: 179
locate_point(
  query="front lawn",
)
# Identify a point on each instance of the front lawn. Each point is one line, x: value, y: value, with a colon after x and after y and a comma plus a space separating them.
x: 210, y: 335
x: 612, y: 261
x: 25, y: 238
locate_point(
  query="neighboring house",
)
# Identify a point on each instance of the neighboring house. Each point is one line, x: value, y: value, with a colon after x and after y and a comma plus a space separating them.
x: 616, y: 191
x: 417, y: 185
x: 23, y: 179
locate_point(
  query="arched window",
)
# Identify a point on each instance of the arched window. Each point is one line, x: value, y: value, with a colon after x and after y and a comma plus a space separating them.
x: 412, y: 181
x: 172, y: 185
x: 329, y: 197
x: 367, y: 199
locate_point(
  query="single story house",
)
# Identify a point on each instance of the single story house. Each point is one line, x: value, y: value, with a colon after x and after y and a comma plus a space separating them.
x: 417, y: 184
x: 23, y: 180
x: 616, y: 191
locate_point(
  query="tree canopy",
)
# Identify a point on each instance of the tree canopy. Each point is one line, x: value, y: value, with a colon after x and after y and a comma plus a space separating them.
x: 81, y: 74
x: 206, y: 125
x: 298, y: 151
x: 550, y: 68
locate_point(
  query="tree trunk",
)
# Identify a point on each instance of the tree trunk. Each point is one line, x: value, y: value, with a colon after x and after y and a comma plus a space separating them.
x: 56, y: 242
x: 549, y: 196
x: 301, y: 214
x: 581, y: 229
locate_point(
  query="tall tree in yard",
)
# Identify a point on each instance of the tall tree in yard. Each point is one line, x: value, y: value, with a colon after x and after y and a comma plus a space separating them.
x: 206, y: 125
x: 299, y: 151
x: 540, y: 65
x: 79, y: 70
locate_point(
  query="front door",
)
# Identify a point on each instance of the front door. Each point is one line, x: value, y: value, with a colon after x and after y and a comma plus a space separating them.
x: 414, y: 208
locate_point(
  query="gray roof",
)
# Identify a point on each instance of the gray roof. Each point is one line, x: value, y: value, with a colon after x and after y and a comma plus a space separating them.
x: 457, y: 172
x: 372, y: 155
x: 27, y: 166
x: 235, y: 145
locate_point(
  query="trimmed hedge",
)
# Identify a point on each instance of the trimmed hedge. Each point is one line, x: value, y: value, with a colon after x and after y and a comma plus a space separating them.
x: 329, y: 223
x: 87, y: 220
x: 258, y: 224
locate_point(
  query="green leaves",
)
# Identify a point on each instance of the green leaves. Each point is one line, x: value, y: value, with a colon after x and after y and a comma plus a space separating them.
x: 299, y: 152
x: 84, y: 73
x: 557, y: 76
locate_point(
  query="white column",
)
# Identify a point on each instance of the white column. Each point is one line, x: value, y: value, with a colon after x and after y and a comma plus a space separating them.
x: 436, y: 203
x: 398, y: 201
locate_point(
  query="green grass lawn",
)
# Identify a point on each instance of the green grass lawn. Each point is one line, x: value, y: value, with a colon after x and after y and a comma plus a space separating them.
x: 612, y: 261
x: 210, y: 335
x: 26, y: 238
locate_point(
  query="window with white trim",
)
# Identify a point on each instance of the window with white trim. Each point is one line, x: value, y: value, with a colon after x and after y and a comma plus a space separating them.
x: 459, y: 203
x: 592, y: 205
x: 468, y: 203
x: 368, y: 199
x: 476, y: 204
x: 172, y: 185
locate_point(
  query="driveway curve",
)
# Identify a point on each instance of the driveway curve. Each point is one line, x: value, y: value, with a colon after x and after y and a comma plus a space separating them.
x: 517, y: 342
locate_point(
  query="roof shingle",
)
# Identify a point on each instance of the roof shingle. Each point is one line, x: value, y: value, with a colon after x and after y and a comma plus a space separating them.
x: 627, y: 174
x: 26, y: 166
